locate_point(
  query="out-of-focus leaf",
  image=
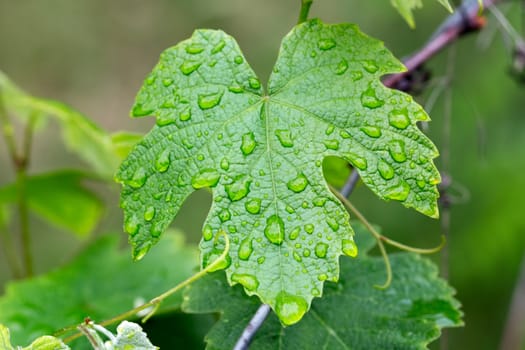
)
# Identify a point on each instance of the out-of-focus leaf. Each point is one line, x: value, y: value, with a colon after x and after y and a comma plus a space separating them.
x: 335, y: 171
x: 61, y: 199
x: 100, y: 283
x: 405, y: 7
x: 352, y: 314
x: 130, y: 337
x: 123, y: 142
x: 80, y: 134
x: 43, y: 343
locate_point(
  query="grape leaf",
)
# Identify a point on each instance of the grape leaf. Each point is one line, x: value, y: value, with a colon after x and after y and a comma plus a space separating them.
x: 405, y: 7
x: 261, y: 154
x: 130, y: 336
x: 43, y: 343
x: 79, y: 133
x: 61, y: 199
x: 100, y: 283
x: 352, y: 313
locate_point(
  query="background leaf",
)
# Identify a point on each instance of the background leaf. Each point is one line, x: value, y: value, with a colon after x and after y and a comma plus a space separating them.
x: 100, y: 283
x: 262, y: 154
x: 405, y: 8
x: 61, y: 199
x: 352, y: 313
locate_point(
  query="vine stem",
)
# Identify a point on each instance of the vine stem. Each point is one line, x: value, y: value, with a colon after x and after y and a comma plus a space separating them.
x: 253, y: 326
x: 20, y: 163
x: 154, y: 303
x: 305, y: 10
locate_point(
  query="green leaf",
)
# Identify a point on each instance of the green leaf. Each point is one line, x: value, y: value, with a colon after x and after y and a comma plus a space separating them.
x: 100, y: 283
x: 130, y: 336
x: 352, y: 314
x: 261, y: 154
x: 43, y: 343
x: 61, y: 199
x: 79, y: 133
x: 123, y: 142
x: 405, y: 7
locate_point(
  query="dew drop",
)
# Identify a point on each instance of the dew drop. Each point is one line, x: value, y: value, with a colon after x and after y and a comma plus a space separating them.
x: 248, y: 143
x: 356, y: 75
x: 349, y: 248
x: 396, y: 148
x: 306, y: 252
x: 167, y: 82
x: 274, y: 229
x: 207, y: 233
x: 185, y: 115
x: 331, y: 144
x: 151, y: 79
x: 342, y: 67
x: 248, y: 281
x: 139, y: 178
x: 326, y: 44
x: 297, y: 257
x: 370, y: 66
x: 245, y: 249
x: 238, y: 59
x: 224, y: 215
x: 260, y: 260
x: 309, y: 228
x: 254, y: 83
x: 156, y: 230
x: 370, y: 100
x: 218, y: 48
x: 357, y: 161
x: 399, y: 119
x: 295, y: 233
x: 140, y: 110
x: 140, y: 253
x: 236, y: 89
x: 321, y: 249
x: 344, y: 134
x: 322, y: 277
x: 163, y: 161
x: 371, y: 131
x: 316, y: 292
x: 194, y: 49
x: 319, y: 201
x: 189, y: 67
x: 239, y: 188
x: 385, y: 170
x: 399, y: 192
x: 298, y: 184
x: 149, y: 213
x: 225, y: 164
x: 334, y: 225
x: 207, y: 101
x: 131, y: 225
x: 329, y: 130
x: 420, y: 183
x: 284, y: 137
x: 206, y: 178
x: 290, y: 308
x: 253, y: 206
x: 165, y: 120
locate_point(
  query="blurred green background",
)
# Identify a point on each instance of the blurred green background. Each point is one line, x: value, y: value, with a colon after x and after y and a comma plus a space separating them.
x: 94, y: 54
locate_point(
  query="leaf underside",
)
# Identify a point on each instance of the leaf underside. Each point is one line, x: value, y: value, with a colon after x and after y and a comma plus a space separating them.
x: 352, y: 313
x: 261, y: 154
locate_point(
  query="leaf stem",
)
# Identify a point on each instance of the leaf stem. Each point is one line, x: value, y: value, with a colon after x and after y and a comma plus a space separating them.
x: 305, y: 9
x: 9, y: 250
x: 155, y: 302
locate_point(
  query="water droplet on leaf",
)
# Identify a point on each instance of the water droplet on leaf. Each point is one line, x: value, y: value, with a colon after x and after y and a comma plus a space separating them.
x: 385, y: 170
x: 163, y: 161
x: 285, y: 137
x: 396, y: 148
x: 326, y: 44
x: 238, y: 59
x: 245, y: 249
x: 224, y: 215
x: 218, y: 48
x: 331, y: 144
x: 290, y: 308
x: 370, y: 66
x: 298, y: 184
x: 189, y: 67
x: 194, y: 49
x: 149, y: 213
x: 253, y: 206
x: 207, y: 233
x: 358, y: 162
x: 139, y: 178
x: 309, y: 228
x: 370, y: 100
x: 248, y: 143
x: 206, y: 178
x: 225, y: 164
x: 399, y: 119
x: 239, y: 188
x: 254, y: 83
x: 399, y: 192
x: 321, y: 249
x: 248, y: 281
x: 349, y: 248
x: 295, y: 233
x: 342, y: 67
x: 131, y: 225
x: 371, y: 131
x: 207, y: 101
x: 274, y: 229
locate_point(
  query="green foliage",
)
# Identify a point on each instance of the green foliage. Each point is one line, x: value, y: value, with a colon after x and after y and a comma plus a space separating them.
x: 79, y: 133
x: 352, y: 313
x: 59, y: 198
x: 261, y: 154
x: 129, y: 337
x: 405, y: 8
x: 100, y: 283
x: 43, y: 343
